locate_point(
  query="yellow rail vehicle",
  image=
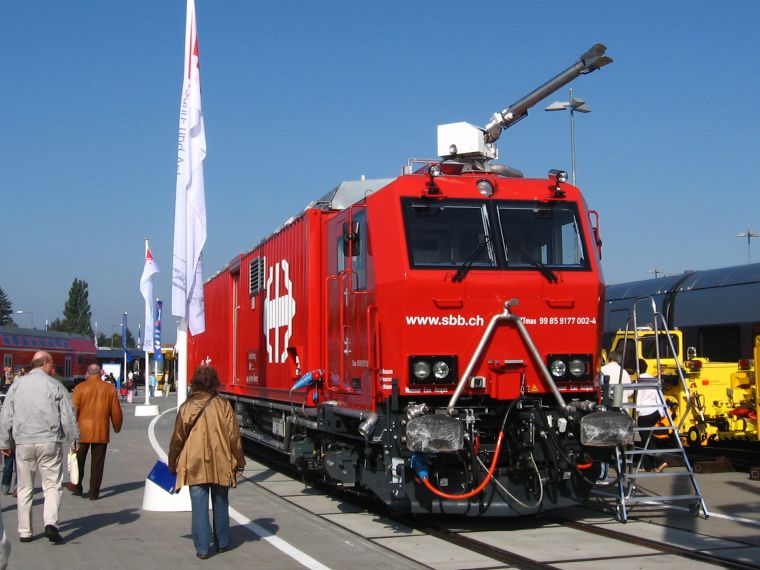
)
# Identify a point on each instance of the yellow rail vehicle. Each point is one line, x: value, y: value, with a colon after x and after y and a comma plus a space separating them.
x: 721, y: 403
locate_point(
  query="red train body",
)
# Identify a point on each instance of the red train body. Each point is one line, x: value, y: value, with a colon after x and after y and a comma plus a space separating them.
x: 71, y: 353
x: 374, y: 338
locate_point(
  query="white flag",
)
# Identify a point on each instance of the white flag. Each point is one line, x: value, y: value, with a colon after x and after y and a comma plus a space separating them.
x: 190, y: 206
x: 146, y: 288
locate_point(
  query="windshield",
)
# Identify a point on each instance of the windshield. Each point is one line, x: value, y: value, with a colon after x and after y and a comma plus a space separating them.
x: 545, y: 234
x: 648, y: 349
x: 448, y: 234
x: 494, y: 234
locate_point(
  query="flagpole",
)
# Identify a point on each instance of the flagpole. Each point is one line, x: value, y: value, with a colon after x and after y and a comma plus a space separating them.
x: 124, y: 346
x: 181, y: 362
x: 189, y: 234
x: 145, y: 342
x: 147, y: 371
x: 190, y: 207
x: 146, y: 289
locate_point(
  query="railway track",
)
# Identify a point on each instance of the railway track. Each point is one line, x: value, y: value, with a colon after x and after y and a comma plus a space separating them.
x: 659, y: 546
x: 741, y: 456
x: 547, y: 541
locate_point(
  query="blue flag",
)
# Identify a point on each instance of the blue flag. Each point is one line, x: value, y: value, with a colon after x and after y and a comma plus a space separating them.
x: 159, y: 356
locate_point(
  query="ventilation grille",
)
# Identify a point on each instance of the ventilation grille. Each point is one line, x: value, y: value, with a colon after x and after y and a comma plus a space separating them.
x: 256, y: 272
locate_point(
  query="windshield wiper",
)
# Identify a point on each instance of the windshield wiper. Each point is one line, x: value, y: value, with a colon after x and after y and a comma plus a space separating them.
x: 464, y: 269
x: 548, y: 273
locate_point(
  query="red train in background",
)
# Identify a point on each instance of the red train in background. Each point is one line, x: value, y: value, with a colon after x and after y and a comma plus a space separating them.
x: 71, y: 353
x: 377, y: 338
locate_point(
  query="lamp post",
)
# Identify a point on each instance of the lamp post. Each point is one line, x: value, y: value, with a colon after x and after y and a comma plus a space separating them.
x: 657, y: 272
x: 30, y: 313
x: 574, y: 105
x: 749, y: 234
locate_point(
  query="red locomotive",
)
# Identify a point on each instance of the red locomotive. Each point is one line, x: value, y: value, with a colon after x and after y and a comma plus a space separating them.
x: 377, y: 337
x: 71, y: 353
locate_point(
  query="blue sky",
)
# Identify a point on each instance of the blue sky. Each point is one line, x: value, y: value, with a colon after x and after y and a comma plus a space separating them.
x: 299, y: 96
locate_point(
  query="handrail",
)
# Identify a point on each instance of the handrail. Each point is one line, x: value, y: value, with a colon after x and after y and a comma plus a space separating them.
x: 659, y: 320
x: 326, y: 305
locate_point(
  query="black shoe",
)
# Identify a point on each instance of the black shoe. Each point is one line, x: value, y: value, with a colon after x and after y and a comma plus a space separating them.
x: 25, y: 539
x: 76, y: 493
x: 93, y: 496
x: 202, y: 556
x: 222, y: 549
x: 52, y: 534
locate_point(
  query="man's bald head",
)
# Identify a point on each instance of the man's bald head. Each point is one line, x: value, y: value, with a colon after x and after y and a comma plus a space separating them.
x: 93, y: 370
x: 41, y: 358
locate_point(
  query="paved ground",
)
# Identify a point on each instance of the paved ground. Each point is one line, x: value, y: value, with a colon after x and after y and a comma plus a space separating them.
x: 114, y: 531
x: 268, y: 532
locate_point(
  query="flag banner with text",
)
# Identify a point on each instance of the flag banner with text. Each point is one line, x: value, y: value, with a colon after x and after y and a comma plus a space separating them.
x: 146, y: 288
x: 157, y: 332
x: 190, y: 204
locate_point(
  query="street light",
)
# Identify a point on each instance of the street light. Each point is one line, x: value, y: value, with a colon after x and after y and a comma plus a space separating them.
x: 749, y: 234
x: 574, y: 105
x: 657, y: 272
x: 30, y: 313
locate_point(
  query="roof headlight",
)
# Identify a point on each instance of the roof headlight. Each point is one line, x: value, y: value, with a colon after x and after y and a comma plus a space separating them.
x: 558, y: 368
x: 559, y: 175
x: 485, y: 188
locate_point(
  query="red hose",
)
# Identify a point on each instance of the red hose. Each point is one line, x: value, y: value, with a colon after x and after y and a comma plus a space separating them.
x: 480, y: 487
x: 584, y: 466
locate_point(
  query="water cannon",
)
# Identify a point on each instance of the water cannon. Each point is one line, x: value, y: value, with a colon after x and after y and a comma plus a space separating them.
x: 471, y: 144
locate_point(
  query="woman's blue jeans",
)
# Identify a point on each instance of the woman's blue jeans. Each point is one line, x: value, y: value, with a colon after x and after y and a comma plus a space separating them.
x: 220, y: 504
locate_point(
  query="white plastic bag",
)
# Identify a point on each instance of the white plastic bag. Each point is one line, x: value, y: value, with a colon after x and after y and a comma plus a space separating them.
x: 73, y: 468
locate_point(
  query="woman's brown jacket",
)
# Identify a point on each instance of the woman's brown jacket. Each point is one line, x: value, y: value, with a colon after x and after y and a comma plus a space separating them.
x: 212, y: 451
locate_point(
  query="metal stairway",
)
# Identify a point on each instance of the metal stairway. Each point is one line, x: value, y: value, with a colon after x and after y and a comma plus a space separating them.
x: 634, y: 485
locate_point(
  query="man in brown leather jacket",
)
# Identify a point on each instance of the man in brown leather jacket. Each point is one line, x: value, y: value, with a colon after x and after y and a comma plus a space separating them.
x: 97, y: 404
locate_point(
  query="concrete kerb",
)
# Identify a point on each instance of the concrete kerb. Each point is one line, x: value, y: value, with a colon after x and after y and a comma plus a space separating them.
x: 156, y: 498
x: 147, y: 410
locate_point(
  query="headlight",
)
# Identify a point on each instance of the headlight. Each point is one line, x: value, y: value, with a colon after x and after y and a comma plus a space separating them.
x: 440, y: 370
x: 569, y: 367
x: 485, y: 188
x: 558, y: 368
x: 577, y: 368
x: 421, y: 370
x: 434, y: 369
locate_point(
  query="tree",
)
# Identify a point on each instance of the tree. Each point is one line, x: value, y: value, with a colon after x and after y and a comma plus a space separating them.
x: 76, y: 311
x: 115, y: 340
x: 103, y: 341
x: 6, y: 310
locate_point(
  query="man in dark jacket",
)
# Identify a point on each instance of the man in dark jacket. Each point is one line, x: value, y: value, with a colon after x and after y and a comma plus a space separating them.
x: 96, y: 404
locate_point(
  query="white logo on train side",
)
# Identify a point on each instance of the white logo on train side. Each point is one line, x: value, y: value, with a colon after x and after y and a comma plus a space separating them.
x: 279, y: 310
